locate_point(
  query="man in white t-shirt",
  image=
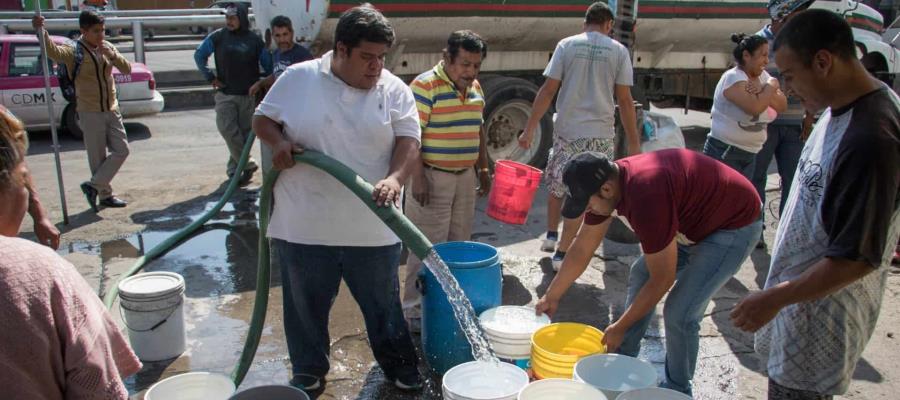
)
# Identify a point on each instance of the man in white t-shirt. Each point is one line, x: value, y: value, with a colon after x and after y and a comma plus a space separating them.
x: 365, y: 117
x: 589, y: 70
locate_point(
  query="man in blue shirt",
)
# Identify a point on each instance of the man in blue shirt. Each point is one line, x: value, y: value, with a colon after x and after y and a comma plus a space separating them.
x: 239, y: 53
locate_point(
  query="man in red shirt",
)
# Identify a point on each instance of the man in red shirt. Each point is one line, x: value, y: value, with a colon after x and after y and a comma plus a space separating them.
x: 697, y: 220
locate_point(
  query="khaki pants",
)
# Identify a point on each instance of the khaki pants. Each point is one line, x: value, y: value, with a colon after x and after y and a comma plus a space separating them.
x: 447, y: 217
x: 102, y: 131
x: 234, y: 115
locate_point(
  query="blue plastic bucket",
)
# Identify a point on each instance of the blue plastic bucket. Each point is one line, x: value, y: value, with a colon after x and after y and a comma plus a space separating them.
x: 477, y: 268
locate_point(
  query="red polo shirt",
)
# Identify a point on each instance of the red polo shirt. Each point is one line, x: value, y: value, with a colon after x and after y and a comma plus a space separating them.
x: 671, y: 192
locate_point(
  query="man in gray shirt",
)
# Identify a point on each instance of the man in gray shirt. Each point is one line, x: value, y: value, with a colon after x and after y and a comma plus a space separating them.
x: 589, y: 70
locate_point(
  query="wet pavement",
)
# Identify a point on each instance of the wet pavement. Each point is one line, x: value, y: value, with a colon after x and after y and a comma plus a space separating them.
x: 219, y: 266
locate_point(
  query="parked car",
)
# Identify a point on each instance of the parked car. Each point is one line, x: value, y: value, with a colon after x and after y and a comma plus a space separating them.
x: 22, y: 86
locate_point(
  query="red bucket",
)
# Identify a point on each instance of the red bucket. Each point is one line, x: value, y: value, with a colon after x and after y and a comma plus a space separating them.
x: 512, y: 191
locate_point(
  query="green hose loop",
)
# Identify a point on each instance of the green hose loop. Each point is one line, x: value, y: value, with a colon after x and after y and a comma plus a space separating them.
x: 415, y: 241
x: 183, y: 233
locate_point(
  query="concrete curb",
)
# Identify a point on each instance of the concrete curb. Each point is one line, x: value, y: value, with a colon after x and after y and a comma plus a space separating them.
x: 188, y: 97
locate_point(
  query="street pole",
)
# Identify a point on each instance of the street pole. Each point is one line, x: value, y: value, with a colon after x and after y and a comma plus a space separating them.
x: 49, y: 96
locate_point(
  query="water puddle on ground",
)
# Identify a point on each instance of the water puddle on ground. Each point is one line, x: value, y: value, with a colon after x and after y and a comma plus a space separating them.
x: 219, y: 265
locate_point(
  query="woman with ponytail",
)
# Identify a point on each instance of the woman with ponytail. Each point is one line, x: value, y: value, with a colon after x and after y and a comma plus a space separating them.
x: 747, y: 98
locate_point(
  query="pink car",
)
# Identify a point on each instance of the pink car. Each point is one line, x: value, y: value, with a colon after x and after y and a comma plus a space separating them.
x: 22, y: 86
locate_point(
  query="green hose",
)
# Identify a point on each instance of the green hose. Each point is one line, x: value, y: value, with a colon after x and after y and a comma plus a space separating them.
x: 183, y: 233
x: 415, y: 241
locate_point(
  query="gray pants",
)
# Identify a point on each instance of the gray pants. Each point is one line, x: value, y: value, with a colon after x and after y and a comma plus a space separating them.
x: 102, y: 131
x: 234, y: 115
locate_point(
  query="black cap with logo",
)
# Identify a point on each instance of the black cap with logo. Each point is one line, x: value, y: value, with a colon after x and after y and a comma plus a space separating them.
x: 584, y: 175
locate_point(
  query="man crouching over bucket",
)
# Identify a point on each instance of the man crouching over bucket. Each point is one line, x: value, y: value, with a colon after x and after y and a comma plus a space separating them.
x: 697, y: 220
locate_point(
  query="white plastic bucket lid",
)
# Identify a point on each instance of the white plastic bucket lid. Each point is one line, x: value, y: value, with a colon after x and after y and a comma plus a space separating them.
x: 151, y: 285
x: 560, y: 389
x: 512, y: 322
x: 653, y: 394
x: 615, y: 373
x: 192, y: 386
x: 483, y: 381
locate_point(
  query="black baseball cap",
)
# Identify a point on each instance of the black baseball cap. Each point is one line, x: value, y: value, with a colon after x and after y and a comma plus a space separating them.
x: 583, y: 175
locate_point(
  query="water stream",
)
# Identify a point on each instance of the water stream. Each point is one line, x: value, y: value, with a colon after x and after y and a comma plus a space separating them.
x: 462, y: 308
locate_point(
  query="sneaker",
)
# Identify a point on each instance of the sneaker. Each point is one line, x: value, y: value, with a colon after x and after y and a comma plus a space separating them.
x: 409, y: 382
x: 557, y: 261
x: 306, y: 383
x: 549, y: 244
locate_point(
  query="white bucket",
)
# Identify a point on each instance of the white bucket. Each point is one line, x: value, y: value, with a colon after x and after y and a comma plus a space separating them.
x: 509, y: 329
x: 271, y: 392
x: 152, y: 308
x: 653, y: 394
x: 192, y: 386
x: 615, y: 373
x: 560, y: 389
x: 483, y: 381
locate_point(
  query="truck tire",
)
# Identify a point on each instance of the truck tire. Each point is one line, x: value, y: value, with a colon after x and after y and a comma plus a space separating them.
x: 70, y: 122
x: 507, y: 108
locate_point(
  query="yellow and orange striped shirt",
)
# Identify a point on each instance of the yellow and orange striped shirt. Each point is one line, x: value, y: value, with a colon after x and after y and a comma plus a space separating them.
x: 451, y: 121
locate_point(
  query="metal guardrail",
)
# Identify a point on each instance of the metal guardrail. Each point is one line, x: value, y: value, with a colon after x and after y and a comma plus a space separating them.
x: 53, y: 14
x: 120, y: 22
x: 210, y: 18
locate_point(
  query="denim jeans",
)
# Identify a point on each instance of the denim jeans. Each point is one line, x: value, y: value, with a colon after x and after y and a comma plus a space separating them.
x: 701, y: 270
x: 740, y: 160
x: 785, y: 145
x: 313, y: 276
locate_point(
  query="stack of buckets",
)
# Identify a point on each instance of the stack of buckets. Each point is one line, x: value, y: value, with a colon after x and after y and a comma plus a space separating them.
x: 512, y: 191
x: 509, y: 329
x: 152, y: 306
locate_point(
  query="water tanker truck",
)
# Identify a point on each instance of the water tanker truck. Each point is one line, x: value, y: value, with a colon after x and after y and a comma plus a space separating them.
x: 679, y: 47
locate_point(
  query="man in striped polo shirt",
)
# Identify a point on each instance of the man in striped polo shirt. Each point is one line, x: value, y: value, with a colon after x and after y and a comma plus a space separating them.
x: 441, y: 198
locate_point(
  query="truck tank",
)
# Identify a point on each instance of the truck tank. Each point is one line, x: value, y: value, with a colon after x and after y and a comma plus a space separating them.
x: 680, y: 49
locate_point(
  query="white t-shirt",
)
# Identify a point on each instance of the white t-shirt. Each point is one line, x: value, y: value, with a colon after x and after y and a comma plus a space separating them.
x: 354, y: 126
x: 730, y: 123
x: 589, y: 65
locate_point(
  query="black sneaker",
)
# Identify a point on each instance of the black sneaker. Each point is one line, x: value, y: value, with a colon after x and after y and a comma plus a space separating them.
x: 90, y: 194
x: 113, y: 202
x: 306, y: 383
x: 409, y: 382
x: 247, y: 174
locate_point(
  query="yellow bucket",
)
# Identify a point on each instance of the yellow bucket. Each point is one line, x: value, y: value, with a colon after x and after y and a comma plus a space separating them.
x: 556, y: 348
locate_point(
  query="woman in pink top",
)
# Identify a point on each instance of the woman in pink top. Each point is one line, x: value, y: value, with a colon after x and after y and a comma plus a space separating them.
x: 57, y: 341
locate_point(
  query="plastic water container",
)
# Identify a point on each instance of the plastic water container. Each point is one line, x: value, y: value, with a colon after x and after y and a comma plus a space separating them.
x: 653, y: 394
x: 556, y: 348
x: 483, y: 381
x: 509, y: 329
x: 271, y: 392
x: 560, y: 389
x: 615, y: 373
x: 192, y: 386
x: 152, y: 306
x: 476, y: 266
x: 513, y: 191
